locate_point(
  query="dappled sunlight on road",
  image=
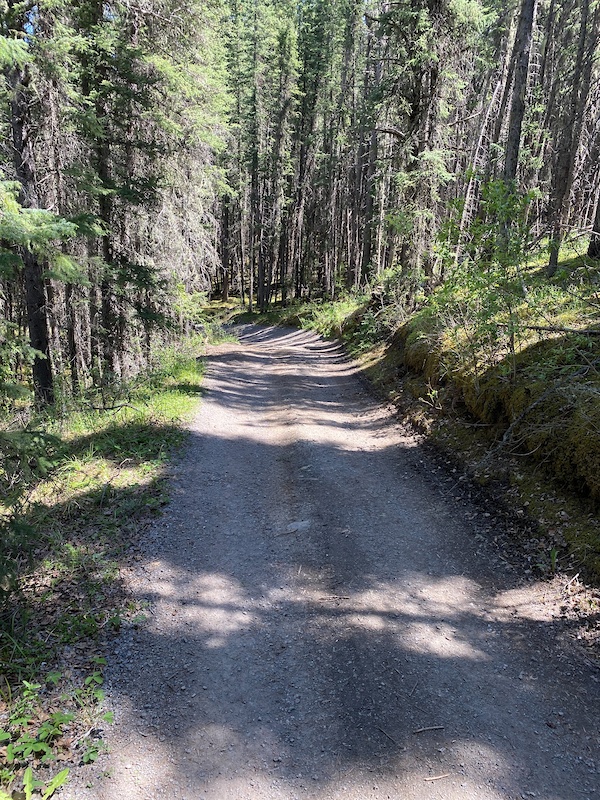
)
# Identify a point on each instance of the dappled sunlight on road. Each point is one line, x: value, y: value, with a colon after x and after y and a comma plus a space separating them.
x: 209, y: 605
x: 528, y: 602
x: 439, y: 640
x: 323, y: 623
x: 231, y: 763
x: 424, y: 615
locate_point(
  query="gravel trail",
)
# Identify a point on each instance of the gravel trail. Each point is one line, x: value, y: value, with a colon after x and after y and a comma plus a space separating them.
x: 325, y: 623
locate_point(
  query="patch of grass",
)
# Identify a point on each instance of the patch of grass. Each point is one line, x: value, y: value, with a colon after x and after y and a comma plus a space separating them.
x: 74, y: 520
x: 57, y: 719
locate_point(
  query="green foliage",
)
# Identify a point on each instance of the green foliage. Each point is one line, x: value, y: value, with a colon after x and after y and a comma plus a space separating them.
x: 33, y: 228
x: 502, y: 338
x: 31, y: 785
x: 189, y: 308
x: 26, y: 457
x: 14, y: 350
x: 32, y: 736
x: 12, y: 51
x: 328, y: 318
x: 29, y: 736
x: 71, y: 497
x: 479, y: 310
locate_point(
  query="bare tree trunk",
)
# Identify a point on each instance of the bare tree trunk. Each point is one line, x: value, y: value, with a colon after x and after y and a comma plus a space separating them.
x: 72, y: 339
x: 570, y: 134
x: 225, y: 254
x: 594, y: 246
x: 522, y: 51
x: 35, y: 299
x: 367, y: 248
x: 43, y: 382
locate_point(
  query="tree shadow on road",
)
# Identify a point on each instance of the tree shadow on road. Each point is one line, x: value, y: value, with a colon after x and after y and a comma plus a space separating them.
x: 324, y: 623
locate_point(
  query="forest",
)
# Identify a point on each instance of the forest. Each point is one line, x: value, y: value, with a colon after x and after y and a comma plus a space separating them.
x: 155, y: 152
x: 420, y: 178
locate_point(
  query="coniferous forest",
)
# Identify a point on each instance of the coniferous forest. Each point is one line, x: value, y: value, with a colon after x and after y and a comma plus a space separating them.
x: 273, y: 151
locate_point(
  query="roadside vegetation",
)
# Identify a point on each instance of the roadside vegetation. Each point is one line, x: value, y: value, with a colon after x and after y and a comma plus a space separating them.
x: 500, y: 367
x: 78, y: 487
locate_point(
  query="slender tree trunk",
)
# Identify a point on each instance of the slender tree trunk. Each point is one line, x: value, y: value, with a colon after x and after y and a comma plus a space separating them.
x: 109, y: 319
x: 570, y: 134
x: 225, y: 252
x: 72, y: 339
x: 522, y: 51
x: 367, y: 250
x: 95, y: 338
x: 38, y: 328
x: 35, y: 299
x: 594, y: 246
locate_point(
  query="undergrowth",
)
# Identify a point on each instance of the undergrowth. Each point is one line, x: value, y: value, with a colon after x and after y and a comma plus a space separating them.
x: 328, y: 318
x: 77, y: 488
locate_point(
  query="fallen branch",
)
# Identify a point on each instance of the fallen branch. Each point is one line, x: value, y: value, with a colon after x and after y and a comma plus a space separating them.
x: 552, y: 329
x: 573, y: 579
x: 115, y: 408
x: 430, y: 728
x: 76, y: 742
x: 391, y: 738
x: 438, y: 777
x: 335, y: 597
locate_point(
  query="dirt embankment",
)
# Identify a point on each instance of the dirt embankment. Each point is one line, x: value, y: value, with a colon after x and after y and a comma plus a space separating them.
x: 529, y: 423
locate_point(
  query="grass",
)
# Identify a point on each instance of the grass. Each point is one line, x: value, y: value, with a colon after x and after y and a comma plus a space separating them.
x: 326, y: 317
x: 76, y: 521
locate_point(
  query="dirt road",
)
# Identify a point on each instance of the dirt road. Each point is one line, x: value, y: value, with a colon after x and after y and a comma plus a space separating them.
x: 325, y: 623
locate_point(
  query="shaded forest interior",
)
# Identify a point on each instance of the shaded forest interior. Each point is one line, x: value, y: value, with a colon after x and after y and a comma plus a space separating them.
x: 156, y: 152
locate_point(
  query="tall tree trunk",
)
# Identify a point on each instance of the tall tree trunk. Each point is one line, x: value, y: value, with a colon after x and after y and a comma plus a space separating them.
x: 571, y: 128
x: 522, y: 51
x: 109, y: 319
x: 72, y: 339
x: 35, y: 299
x: 367, y: 266
x: 37, y: 323
x: 594, y: 246
x: 225, y: 252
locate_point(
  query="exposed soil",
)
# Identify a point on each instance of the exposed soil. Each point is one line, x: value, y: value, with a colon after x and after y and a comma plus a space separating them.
x: 328, y: 619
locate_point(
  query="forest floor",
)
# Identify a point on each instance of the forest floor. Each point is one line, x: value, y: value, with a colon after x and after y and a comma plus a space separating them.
x: 331, y: 613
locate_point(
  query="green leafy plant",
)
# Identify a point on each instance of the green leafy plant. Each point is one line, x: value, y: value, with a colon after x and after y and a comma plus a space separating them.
x: 32, y: 736
x: 553, y: 560
x: 26, y: 458
x: 92, y: 751
x: 22, y: 739
x: 31, y: 785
